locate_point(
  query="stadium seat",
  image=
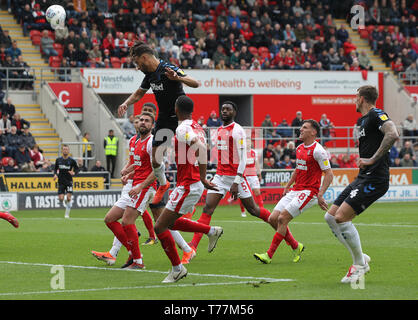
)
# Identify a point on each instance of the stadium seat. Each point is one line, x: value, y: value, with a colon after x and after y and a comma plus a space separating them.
x: 391, y: 29
x: 115, y: 61
x: 370, y: 28
x: 34, y: 33
x: 36, y: 40
x: 5, y: 161
x: 54, y: 62
x: 109, y: 20
x: 253, y: 50
x: 133, y: 35
x: 381, y: 28
x: 123, y: 60
x: 262, y: 50
x: 59, y: 49
x: 364, y: 34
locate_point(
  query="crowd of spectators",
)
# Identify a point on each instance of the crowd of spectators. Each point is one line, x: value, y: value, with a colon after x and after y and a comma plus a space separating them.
x: 19, y: 74
x: 391, y: 28
x: 199, y: 34
x: 19, y: 151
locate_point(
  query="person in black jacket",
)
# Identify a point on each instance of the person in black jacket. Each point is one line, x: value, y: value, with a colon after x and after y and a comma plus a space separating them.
x: 8, y: 108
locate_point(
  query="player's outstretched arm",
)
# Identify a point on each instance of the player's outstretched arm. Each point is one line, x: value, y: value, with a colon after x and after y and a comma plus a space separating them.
x: 187, y: 80
x: 391, y: 135
x: 133, y: 98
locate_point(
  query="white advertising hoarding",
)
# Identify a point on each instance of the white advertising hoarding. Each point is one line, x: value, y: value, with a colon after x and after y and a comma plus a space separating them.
x: 126, y: 81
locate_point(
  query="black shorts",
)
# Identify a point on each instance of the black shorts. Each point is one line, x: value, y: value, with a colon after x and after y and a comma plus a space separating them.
x: 362, y: 192
x: 65, y: 188
x: 160, y: 204
x: 164, y: 131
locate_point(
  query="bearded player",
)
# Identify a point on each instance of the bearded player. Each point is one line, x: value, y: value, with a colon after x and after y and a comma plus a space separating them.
x: 166, y: 82
x: 377, y: 135
x: 117, y: 211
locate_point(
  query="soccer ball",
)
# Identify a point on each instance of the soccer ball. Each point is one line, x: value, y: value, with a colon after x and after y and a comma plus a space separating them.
x: 55, y: 15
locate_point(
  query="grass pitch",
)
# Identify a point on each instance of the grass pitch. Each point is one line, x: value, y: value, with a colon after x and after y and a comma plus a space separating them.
x: 389, y: 234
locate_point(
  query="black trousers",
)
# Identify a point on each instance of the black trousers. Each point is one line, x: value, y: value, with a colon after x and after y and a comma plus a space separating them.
x: 111, y: 160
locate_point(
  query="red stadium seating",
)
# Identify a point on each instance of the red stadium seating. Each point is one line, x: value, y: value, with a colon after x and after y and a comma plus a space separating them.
x: 55, y: 62
x: 364, y: 34
x: 115, y: 61
x: 253, y: 50
x: 34, y: 33
x: 36, y: 40
x: 59, y: 49
x: 5, y: 161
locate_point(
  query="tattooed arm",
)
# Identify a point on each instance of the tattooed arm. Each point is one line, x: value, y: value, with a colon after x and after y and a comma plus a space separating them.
x: 391, y: 136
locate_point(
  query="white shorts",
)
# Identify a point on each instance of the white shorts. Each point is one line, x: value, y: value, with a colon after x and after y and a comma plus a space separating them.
x: 183, y: 198
x: 143, y: 199
x: 295, y: 202
x: 125, y: 199
x: 224, y: 183
x: 253, y: 182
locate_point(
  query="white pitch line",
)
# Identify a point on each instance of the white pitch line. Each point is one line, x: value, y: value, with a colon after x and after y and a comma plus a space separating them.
x: 248, y: 221
x: 148, y: 271
x: 128, y: 288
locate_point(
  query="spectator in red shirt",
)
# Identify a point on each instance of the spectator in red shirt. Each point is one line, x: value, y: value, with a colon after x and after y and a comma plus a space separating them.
x: 397, y: 65
x: 289, y: 60
x: 246, y: 32
x: 109, y: 43
x: 348, y: 47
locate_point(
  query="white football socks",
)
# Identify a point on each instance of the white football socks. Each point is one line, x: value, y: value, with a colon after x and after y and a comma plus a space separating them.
x: 160, y: 174
x: 67, y: 205
x: 330, y: 219
x: 115, y: 248
x: 351, y: 235
x: 180, y: 241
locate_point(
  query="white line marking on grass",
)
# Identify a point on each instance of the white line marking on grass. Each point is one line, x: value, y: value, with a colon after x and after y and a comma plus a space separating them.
x: 240, y: 221
x: 130, y: 288
x: 325, y: 224
x: 149, y: 271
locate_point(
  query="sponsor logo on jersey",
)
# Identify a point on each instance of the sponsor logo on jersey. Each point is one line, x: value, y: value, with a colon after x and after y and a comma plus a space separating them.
x: 383, y: 117
x: 157, y: 87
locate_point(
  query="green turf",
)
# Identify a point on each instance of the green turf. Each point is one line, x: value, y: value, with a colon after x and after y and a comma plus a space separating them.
x: 389, y: 234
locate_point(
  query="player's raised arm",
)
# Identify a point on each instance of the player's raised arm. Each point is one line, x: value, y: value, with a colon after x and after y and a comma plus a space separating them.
x: 133, y: 98
x: 391, y: 135
x: 180, y: 76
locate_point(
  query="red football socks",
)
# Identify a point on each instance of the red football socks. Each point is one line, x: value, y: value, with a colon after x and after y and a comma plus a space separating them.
x: 205, y: 219
x: 187, y: 225
x: 275, y: 244
x: 264, y: 214
x: 146, y: 217
x: 132, y: 235
x: 169, y: 246
x: 259, y: 200
x: 290, y: 240
x: 119, y: 233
